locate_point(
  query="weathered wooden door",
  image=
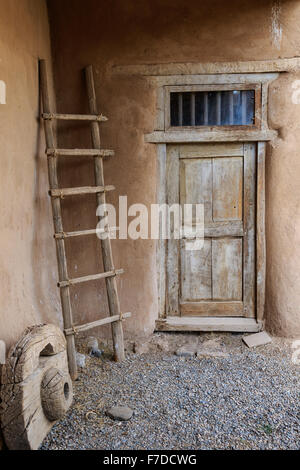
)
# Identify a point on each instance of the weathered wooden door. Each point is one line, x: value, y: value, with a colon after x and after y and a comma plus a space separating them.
x: 219, y: 279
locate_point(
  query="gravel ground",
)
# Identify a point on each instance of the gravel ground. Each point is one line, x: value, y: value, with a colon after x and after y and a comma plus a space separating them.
x: 249, y: 400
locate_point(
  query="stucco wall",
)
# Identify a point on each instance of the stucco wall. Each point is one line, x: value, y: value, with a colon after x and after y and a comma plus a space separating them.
x: 28, y: 290
x: 130, y: 32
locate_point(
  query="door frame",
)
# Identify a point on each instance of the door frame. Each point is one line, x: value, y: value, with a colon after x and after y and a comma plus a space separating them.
x: 165, y: 323
x: 162, y: 136
x: 242, y: 230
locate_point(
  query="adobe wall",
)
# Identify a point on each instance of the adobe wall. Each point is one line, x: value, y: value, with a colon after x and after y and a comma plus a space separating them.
x: 127, y: 32
x: 28, y: 270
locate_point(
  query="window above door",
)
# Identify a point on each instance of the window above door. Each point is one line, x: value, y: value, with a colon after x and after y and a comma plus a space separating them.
x: 211, y: 107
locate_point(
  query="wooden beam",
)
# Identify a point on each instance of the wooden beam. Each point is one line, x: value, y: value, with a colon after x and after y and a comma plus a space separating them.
x: 194, y: 68
x: 79, y: 191
x: 80, y: 233
x: 75, y: 117
x: 101, y: 322
x: 192, y: 136
x: 91, y: 277
x: 80, y: 152
x: 211, y: 150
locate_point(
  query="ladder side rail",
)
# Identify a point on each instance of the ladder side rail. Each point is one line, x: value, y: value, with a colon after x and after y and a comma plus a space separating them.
x: 107, y: 257
x: 58, y: 225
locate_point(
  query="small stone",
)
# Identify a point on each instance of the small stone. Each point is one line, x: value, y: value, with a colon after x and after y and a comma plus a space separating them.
x: 211, y: 353
x: 184, y: 352
x: 95, y: 352
x: 120, y: 413
x: 92, y: 343
x: 80, y: 360
x: 257, y: 339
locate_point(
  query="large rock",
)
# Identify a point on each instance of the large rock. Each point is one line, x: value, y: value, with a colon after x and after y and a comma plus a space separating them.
x: 120, y: 413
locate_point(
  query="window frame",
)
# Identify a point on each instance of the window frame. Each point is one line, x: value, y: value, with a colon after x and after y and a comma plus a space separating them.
x: 257, y: 87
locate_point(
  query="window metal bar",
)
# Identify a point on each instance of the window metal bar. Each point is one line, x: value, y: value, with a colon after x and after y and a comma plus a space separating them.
x: 180, y: 113
x: 219, y: 99
x: 205, y: 108
x: 244, y: 107
x: 231, y: 108
x: 214, y: 108
x: 193, y: 109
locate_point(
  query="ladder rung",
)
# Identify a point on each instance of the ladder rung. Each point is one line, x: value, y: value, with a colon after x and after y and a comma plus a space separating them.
x: 82, y: 190
x: 103, y: 321
x: 74, y: 117
x: 61, y: 236
x: 92, y: 277
x: 53, y: 152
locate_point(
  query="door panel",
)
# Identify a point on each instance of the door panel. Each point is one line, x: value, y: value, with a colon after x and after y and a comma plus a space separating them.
x: 227, y: 269
x: 227, y: 189
x: 213, y: 309
x: 196, y: 279
x: 217, y: 280
x: 196, y: 184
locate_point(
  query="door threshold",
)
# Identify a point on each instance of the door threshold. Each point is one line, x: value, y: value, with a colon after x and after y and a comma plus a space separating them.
x: 230, y: 324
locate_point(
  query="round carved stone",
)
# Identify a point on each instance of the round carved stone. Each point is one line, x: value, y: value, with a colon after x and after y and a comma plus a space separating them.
x: 56, y: 394
x: 39, y: 356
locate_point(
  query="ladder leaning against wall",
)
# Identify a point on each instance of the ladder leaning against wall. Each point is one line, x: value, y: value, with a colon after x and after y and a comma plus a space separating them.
x: 116, y: 317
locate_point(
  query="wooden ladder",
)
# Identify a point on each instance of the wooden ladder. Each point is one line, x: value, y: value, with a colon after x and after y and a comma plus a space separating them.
x: 99, y: 190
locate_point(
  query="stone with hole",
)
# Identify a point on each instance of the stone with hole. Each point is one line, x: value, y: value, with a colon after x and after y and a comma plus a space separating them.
x: 56, y: 394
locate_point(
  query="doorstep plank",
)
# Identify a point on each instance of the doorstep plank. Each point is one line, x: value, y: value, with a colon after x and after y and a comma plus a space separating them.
x: 237, y: 325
